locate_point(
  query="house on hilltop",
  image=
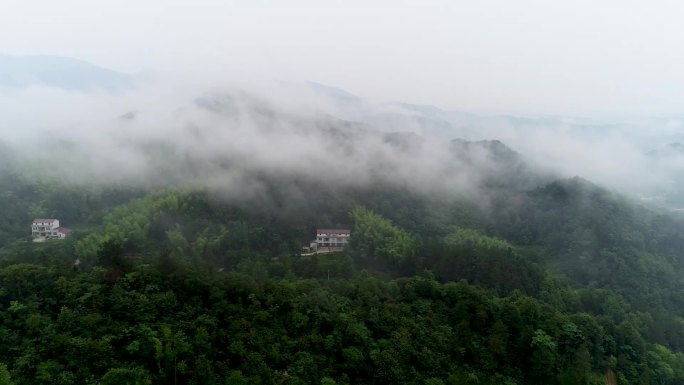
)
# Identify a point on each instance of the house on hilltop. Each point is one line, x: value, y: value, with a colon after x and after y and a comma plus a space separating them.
x: 44, y: 229
x: 332, y: 237
x: 329, y: 240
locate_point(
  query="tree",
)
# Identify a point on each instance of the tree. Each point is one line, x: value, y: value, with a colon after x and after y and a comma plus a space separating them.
x: 126, y: 376
x: 375, y: 236
x: 5, y: 378
x: 543, y: 358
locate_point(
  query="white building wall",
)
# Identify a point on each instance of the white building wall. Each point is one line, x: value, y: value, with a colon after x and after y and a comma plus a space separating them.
x: 44, y: 229
x: 326, y: 240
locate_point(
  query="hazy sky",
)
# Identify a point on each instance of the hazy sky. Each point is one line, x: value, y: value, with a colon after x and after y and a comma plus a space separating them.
x: 557, y: 57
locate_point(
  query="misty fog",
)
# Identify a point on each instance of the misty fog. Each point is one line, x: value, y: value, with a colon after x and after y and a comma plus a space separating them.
x: 224, y: 133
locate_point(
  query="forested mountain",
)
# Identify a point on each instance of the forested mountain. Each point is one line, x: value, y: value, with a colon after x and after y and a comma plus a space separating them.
x: 341, y: 193
x: 468, y: 262
x: 521, y: 278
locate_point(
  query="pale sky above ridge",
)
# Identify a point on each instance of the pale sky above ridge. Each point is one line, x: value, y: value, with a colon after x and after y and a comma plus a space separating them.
x: 580, y: 57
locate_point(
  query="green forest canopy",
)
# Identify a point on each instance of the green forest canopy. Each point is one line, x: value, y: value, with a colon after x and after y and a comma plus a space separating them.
x: 566, y: 286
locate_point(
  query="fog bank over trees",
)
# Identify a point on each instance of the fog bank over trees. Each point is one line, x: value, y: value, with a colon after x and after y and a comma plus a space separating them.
x: 222, y: 133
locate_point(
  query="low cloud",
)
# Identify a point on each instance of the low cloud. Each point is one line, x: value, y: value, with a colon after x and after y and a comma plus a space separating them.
x: 232, y: 136
x: 226, y: 139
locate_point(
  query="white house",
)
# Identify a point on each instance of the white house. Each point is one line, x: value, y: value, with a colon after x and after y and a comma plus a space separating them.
x: 42, y: 229
x: 335, y: 239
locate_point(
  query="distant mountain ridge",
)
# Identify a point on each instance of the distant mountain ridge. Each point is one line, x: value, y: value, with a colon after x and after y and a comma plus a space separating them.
x: 336, y: 94
x: 60, y: 72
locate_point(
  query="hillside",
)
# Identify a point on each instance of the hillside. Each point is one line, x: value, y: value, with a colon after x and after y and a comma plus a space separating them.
x: 543, y: 282
x: 467, y: 263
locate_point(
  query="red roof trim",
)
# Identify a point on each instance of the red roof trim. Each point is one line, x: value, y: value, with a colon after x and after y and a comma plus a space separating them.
x: 333, y: 231
x: 63, y: 230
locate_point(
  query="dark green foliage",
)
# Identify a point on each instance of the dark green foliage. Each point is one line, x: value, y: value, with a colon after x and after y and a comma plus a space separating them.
x: 146, y: 328
x: 486, y: 261
x: 562, y: 284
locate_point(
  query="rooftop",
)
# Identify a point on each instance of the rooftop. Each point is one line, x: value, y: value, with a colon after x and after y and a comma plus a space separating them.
x: 63, y: 230
x: 41, y: 220
x: 333, y: 231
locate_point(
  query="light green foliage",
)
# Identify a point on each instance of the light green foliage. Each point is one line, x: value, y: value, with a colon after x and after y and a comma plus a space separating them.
x: 129, y: 225
x: 5, y: 378
x: 126, y: 376
x: 474, y: 240
x: 375, y: 236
